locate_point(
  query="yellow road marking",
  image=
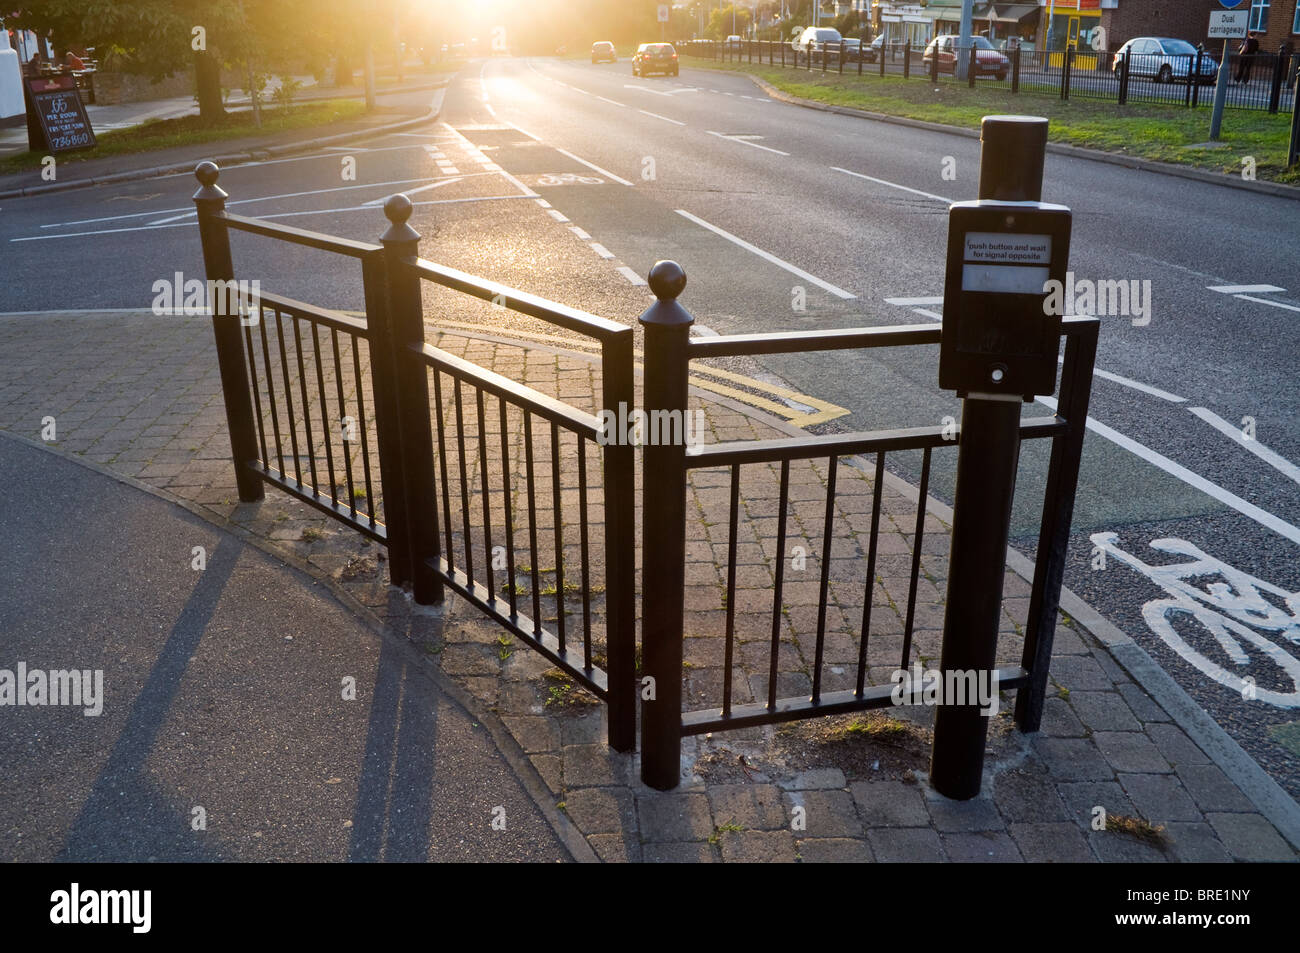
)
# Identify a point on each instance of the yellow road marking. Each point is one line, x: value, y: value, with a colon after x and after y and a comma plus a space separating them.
x: 821, y: 411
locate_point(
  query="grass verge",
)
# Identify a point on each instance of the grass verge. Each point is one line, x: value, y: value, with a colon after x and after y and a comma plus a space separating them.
x: 187, y: 131
x: 1172, y: 134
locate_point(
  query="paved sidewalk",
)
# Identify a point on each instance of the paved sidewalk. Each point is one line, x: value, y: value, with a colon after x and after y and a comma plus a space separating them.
x: 140, y: 395
x: 225, y: 730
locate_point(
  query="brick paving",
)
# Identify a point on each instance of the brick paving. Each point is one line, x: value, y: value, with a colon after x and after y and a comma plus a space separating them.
x: 140, y: 395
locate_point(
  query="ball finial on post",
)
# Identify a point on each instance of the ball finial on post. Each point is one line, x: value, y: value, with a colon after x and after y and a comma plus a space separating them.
x: 397, y: 210
x: 207, y: 173
x: 667, y: 280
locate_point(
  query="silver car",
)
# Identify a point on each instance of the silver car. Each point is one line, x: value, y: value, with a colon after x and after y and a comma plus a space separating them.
x: 1164, y: 59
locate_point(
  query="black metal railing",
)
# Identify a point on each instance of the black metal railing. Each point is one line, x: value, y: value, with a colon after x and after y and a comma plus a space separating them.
x: 447, y: 506
x: 668, y: 352
x: 1263, y: 81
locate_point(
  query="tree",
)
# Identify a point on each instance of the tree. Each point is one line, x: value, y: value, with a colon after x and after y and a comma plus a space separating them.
x: 722, y: 24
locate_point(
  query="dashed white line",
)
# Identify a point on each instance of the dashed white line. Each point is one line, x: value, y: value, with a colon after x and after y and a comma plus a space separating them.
x: 675, y: 122
x: 925, y: 313
x: 1276, y: 304
x: 601, y: 250
x: 1244, y: 289
x: 1273, y: 459
x: 768, y: 256
x: 610, y: 101
x: 914, y: 302
x: 581, y: 233
x: 893, y: 185
x: 1136, y: 385
x: 557, y: 215
x: 630, y: 275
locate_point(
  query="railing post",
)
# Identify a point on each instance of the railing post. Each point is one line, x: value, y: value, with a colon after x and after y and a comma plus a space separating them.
x: 839, y: 49
x: 1293, y: 150
x: 1279, y: 72
x: 1067, y: 62
x: 1123, y: 78
x: 934, y: 68
x: 663, y: 479
x: 619, y: 459
x: 881, y: 60
x: 1015, y: 69
x: 907, y: 58
x: 397, y: 332
x: 210, y: 200
x: 1196, y: 86
x: 971, y: 66
x: 1054, y: 530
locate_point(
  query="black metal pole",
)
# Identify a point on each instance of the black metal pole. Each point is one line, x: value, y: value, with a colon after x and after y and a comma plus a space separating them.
x: 667, y: 329
x: 619, y: 459
x: 1015, y: 69
x: 411, y: 392
x: 1293, y: 152
x: 210, y: 200
x: 1011, y: 169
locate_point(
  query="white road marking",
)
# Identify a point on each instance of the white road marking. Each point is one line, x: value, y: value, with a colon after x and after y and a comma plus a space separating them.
x: 675, y: 122
x: 1275, y: 460
x: 1244, y: 289
x: 768, y: 256
x: 630, y: 275
x: 173, y: 218
x: 1213, y: 490
x: 928, y: 314
x: 423, y: 188
x: 1276, y: 304
x: 543, y: 203
x: 492, y: 112
x: 746, y: 142
x: 315, y: 211
x: 894, y: 185
x: 601, y: 250
x: 646, y: 89
x: 474, y: 151
x: 1136, y: 385
x: 263, y: 198
x: 610, y: 101
x: 581, y: 233
x: 557, y: 215
x: 591, y: 165
x: 913, y: 302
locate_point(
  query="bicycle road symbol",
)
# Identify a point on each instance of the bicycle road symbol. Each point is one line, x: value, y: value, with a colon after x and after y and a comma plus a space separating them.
x: 568, y: 178
x: 1233, y: 610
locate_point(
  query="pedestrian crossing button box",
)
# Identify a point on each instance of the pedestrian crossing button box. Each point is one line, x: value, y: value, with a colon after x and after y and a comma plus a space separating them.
x: 998, y: 335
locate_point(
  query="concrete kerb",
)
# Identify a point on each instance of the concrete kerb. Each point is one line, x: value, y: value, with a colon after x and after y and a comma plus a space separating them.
x: 1276, y: 189
x: 232, y: 159
x: 505, y: 742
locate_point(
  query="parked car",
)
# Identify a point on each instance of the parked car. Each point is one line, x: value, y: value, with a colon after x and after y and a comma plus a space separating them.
x: 988, y: 61
x: 655, y: 58
x: 852, y: 49
x: 603, y: 52
x: 877, y: 47
x: 812, y: 42
x: 1163, y: 59
x: 734, y: 41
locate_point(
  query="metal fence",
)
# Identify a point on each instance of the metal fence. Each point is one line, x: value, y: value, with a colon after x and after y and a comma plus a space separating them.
x: 454, y: 441
x: 1262, y: 81
x: 301, y: 380
x: 668, y: 353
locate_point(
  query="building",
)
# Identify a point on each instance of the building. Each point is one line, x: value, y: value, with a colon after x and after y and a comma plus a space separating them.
x: 1276, y: 21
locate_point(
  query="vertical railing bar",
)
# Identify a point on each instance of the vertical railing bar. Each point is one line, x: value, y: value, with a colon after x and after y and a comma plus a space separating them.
x: 559, y: 531
x: 827, y: 543
x: 487, y: 496
x: 510, y: 525
x: 257, y: 394
x: 532, y: 520
x: 780, y: 582
x: 361, y: 425
x: 586, y: 562
x: 288, y: 400
x: 917, y: 539
x: 442, y: 457
x: 346, y: 450
x: 728, y: 660
x: 464, y: 484
x: 324, y: 405
x: 270, y: 394
x: 306, y: 407
x: 877, y: 485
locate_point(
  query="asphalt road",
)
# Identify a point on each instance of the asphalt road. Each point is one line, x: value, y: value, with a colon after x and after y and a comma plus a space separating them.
x: 769, y: 206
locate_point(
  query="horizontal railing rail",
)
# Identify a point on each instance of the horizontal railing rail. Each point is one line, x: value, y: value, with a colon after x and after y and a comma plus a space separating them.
x: 298, y: 236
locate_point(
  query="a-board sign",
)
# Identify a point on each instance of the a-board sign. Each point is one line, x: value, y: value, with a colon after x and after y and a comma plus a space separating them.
x: 1228, y: 24
x: 1000, y: 335
x: 56, y: 118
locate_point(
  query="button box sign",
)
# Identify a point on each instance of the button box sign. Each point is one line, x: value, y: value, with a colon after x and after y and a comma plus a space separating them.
x: 998, y: 337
